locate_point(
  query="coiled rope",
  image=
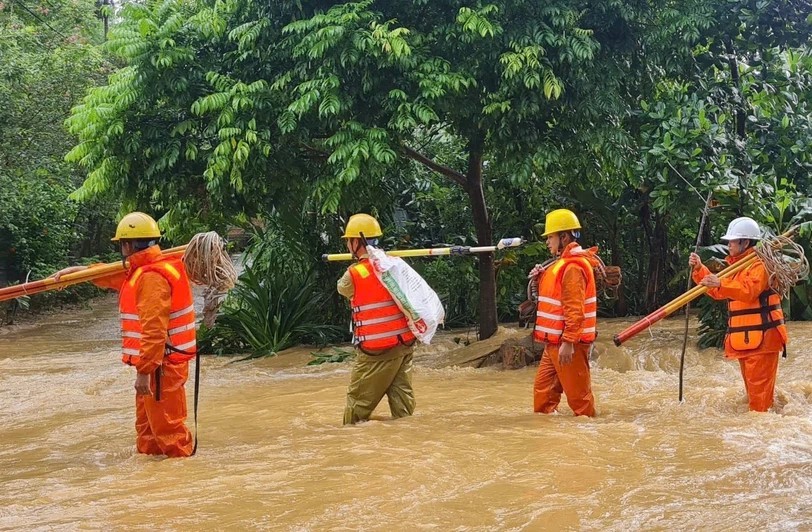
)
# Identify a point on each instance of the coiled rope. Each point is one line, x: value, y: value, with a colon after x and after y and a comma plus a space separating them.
x: 784, y: 261
x: 208, y: 264
x: 607, y: 279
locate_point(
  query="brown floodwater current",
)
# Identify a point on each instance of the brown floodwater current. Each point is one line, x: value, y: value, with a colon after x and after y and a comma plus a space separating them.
x: 273, y: 453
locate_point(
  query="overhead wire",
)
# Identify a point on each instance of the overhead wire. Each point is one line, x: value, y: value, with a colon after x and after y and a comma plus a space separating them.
x: 43, y: 21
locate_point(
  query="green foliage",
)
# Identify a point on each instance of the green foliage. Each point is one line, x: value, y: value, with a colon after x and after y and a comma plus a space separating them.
x: 268, y: 314
x: 284, y: 296
x: 49, y: 58
x: 171, y: 134
x: 713, y: 323
x: 36, y: 229
x: 455, y: 281
x: 260, y: 98
x: 334, y: 355
x: 299, y: 113
x: 48, y: 62
x: 712, y: 313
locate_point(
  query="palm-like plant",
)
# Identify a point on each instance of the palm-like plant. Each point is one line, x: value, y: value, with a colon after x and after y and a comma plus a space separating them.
x: 266, y: 314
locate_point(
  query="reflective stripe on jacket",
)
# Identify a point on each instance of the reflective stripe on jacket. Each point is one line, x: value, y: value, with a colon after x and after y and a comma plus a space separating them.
x: 378, y: 323
x: 550, y: 311
x: 180, y: 334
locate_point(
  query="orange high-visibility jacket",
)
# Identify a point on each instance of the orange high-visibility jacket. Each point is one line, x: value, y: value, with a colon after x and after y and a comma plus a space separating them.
x: 378, y: 323
x: 180, y: 335
x: 755, y: 317
x: 551, y: 311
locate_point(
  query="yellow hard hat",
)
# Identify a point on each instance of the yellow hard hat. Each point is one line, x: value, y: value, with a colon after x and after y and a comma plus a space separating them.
x: 362, y: 223
x: 137, y: 225
x: 560, y: 220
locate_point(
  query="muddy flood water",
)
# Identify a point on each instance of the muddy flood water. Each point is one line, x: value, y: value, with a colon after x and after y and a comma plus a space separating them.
x: 273, y: 453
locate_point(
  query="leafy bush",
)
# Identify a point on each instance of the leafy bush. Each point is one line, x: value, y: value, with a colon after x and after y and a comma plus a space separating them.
x: 456, y: 281
x: 38, y: 235
x: 36, y: 225
x: 712, y: 322
x: 266, y: 314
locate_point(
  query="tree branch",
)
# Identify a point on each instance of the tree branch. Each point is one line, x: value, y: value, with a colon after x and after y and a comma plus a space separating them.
x: 741, y: 123
x: 450, y: 173
x: 315, y: 153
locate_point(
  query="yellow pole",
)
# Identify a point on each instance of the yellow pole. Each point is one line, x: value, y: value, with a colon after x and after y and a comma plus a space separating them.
x: 434, y: 252
x: 684, y: 299
x: 429, y: 252
x: 44, y: 285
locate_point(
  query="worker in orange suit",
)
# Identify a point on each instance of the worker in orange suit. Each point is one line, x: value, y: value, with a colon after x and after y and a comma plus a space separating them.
x: 158, y: 335
x: 566, y: 317
x: 756, y: 332
x: 384, y: 343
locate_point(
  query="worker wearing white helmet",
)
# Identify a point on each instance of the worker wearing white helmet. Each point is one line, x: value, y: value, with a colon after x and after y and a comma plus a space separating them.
x: 756, y: 332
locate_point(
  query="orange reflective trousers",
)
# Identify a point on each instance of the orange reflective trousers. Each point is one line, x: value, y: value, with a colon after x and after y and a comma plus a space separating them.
x: 573, y: 379
x: 759, y: 366
x: 759, y: 373
x: 160, y: 424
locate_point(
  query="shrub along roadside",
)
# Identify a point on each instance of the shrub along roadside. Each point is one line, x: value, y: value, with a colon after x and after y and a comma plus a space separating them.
x: 268, y: 313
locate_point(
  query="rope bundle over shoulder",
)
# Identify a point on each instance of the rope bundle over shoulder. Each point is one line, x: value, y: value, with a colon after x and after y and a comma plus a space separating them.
x: 607, y: 280
x: 208, y: 264
x: 784, y: 261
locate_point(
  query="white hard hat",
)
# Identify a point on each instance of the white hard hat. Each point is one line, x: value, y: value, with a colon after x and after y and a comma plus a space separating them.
x: 743, y: 228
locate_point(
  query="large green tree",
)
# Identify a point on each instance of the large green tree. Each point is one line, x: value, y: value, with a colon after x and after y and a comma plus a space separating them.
x: 240, y: 108
x: 714, y: 101
x: 48, y: 59
x: 227, y: 103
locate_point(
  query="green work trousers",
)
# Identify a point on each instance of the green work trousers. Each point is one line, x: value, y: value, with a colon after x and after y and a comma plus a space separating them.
x: 374, y: 376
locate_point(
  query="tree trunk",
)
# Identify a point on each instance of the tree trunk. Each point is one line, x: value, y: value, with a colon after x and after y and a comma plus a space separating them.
x: 484, y: 235
x: 621, y: 305
x: 733, y: 63
x: 658, y: 248
x: 741, y: 123
x: 706, y: 238
x: 106, y: 18
x: 471, y: 182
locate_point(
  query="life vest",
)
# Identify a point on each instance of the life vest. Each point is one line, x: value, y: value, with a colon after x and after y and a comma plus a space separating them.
x: 550, y: 310
x: 748, y: 321
x: 378, y: 323
x: 180, y: 342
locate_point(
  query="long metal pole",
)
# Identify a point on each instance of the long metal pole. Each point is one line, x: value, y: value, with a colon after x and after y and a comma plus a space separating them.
x: 434, y: 252
x: 704, y: 219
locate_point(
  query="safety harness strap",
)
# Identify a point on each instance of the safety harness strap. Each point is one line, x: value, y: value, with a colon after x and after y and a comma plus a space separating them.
x: 747, y: 312
x: 760, y: 327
